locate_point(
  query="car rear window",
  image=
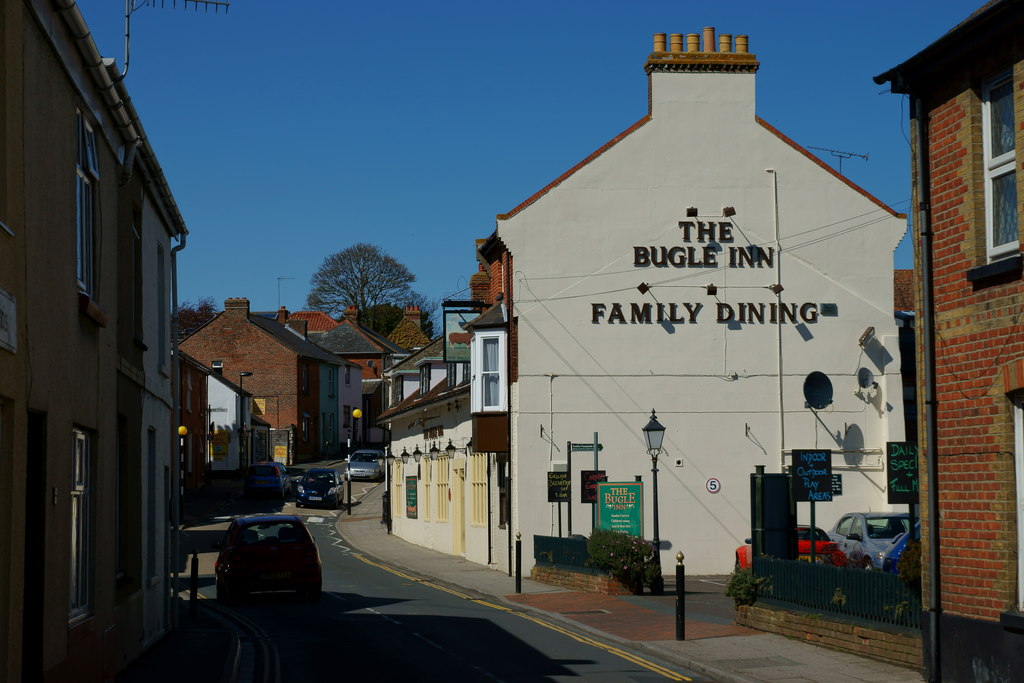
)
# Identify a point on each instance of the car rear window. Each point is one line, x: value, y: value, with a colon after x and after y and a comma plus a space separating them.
x: 262, y: 471
x: 272, y: 532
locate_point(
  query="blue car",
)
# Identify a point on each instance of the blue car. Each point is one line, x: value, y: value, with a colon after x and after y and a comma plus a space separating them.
x: 319, y: 486
x: 890, y: 561
x: 267, y: 478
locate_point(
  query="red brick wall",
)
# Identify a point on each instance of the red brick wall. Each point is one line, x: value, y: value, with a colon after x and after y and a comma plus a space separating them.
x: 976, y: 337
x: 242, y: 346
x: 578, y: 581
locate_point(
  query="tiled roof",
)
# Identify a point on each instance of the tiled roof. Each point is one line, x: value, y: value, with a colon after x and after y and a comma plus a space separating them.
x: 316, y: 321
x: 408, y: 335
x: 415, y: 400
x: 434, y: 348
x: 903, y: 290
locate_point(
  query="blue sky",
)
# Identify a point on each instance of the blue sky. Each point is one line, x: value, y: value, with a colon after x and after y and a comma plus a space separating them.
x: 291, y: 130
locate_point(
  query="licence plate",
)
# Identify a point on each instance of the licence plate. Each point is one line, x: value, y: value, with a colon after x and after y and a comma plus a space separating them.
x: 275, y: 575
x: 316, y: 497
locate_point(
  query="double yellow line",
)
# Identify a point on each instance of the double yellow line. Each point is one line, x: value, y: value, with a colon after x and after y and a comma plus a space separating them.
x: 628, y: 656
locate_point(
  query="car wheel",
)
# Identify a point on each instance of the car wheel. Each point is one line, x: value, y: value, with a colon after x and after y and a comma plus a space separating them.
x: 298, y: 504
x: 865, y: 563
x: 312, y: 595
x: 222, y: 593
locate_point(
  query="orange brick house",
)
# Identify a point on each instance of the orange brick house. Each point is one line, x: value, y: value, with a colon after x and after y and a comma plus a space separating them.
x: 966, y: 94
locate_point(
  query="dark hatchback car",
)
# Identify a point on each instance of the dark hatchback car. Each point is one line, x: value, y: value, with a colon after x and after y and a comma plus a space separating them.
x: 267, y: 553
x: 268, y: 478
x: 319, y: 486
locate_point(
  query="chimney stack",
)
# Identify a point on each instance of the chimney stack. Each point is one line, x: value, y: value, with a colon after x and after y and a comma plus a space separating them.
x: 480, y: 285
x: 352, y: 313
x: 730, y: 54
x: 237, y: 307
x: 282, y: 315
x: 412, y: 314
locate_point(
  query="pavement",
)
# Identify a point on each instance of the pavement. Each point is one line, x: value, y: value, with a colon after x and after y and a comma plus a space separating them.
x: 715, y: 647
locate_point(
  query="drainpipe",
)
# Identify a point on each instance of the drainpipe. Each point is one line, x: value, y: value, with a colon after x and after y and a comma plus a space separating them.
x: 176, y: 408
x: 927, y: 332
x: 778, y: 320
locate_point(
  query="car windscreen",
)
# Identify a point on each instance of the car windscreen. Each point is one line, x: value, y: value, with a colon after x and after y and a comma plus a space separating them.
x: 318, y: 478
x: 363, y: 457
x: 262, y: 471
x: 886, y: 527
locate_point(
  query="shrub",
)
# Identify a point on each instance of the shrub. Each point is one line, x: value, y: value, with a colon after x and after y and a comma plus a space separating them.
x: 630, y: 559
x: 909, y: 565
x: 743, y: 586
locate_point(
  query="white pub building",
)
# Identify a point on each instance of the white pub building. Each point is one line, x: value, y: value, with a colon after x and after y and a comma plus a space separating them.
x: 703, y: 265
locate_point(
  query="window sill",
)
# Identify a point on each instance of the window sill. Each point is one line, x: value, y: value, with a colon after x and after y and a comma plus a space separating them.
x: 997, y: 272
x: 88, y: 307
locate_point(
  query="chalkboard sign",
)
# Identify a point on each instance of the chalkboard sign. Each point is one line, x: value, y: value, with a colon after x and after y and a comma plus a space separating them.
x: 558, y: 487
x: 901, y: 466
x: 837, y: 484
x: 588, y: 485
x: 812, y: 475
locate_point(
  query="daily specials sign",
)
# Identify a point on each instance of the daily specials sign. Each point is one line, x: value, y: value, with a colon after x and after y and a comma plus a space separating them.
x: 706, y: 245
x: 812, y: 475
x: 901, y: 464
x: 558, y: 487
x: 620, y: 506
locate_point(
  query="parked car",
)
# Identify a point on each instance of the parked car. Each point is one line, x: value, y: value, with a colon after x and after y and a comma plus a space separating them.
x: 267, y: 553
x: 890, y: 561
x: 825, y: 551
x: 366, y: 464
x: 865, y: 536
x: 319, y: 486
x: 266, y: 477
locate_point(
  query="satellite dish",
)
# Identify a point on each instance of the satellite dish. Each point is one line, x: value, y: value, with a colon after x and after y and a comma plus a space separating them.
x: 818, y: 390
x: 865, y: 378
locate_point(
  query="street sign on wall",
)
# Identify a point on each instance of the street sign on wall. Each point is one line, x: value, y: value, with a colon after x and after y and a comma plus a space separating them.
x: 587, y: 447
x: 620, y: 506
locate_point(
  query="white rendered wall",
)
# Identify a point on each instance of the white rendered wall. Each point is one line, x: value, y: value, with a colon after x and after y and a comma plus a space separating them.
x: 715, y: 384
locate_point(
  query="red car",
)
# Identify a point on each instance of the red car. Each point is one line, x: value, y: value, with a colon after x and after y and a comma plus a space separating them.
x: 825, y: 550
x: 267, y: 553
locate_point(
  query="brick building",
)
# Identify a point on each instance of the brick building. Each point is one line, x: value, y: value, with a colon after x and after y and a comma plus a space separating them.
x: 967, y: 114
x: 294, y: 382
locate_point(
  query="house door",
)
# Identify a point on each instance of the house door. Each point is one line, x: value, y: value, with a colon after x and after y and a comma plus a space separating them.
x: 459, y: 509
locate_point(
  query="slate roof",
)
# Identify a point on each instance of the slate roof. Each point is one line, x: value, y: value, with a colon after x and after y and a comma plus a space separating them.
x: 348, y: 337
x: 433, y: 349
x: 291, y: 340
x: 440, y: 392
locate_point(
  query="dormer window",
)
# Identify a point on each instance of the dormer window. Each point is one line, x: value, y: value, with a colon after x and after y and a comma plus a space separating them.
x: 489, y: 374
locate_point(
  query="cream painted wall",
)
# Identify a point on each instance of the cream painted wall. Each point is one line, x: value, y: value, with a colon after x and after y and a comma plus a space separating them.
x: 715, y: 384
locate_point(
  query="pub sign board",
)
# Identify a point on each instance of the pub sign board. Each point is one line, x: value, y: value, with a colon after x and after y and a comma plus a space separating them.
x: 620, y: 506
x: 588, y: 484
x: 559, y: 487
x: 812, y: 474
x: 411, y: 505
x: 901, y: 467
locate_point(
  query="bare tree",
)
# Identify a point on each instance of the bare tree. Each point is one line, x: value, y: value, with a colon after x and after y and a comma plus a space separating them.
x: 363, y: 276
x: 192, y: 316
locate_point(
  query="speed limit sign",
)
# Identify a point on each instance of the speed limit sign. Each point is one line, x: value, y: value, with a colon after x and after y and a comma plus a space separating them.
x: 713, y: 486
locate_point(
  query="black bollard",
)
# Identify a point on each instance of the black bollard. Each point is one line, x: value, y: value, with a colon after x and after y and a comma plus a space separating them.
x: 680, y: 601
x: 194, y: 585
x: 519, y: 563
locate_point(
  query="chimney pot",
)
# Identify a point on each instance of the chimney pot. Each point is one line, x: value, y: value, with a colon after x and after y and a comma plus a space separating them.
x: 742, y: 43
x: 725, y: 42
x: 659, y: 42
x: 282, y: 315
x: 352, y: 313
x: 692, y: 42
x: 709, y: 39
x: 676, y: 42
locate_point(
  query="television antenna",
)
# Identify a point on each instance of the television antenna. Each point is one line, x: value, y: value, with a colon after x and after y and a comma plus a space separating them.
x: 279, y: 289
x: 132, y: 6
x: 839, y: 154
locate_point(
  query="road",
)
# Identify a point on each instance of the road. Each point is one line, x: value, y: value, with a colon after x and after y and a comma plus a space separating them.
x: 379, y: 622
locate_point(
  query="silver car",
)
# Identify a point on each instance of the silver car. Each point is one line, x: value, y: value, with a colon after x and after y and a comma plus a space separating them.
x: 865, y: 536
x: 366, y: 464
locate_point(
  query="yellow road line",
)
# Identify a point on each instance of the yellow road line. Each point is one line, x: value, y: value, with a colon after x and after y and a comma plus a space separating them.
x: 628, y: 656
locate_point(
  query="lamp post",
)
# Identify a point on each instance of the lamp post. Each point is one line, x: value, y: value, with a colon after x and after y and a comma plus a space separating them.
x: 450, y: 449
x: 654, y: 435
x: 356, y: 414
x: 388, y: 460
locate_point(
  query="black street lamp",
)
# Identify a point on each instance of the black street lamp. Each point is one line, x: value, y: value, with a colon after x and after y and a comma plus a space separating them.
x: 388, y: 460
x: 654, y: 435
